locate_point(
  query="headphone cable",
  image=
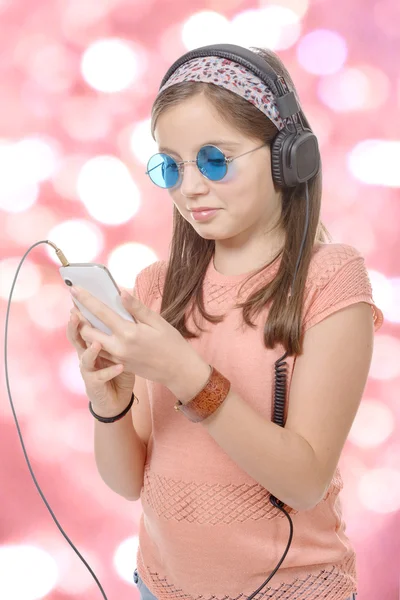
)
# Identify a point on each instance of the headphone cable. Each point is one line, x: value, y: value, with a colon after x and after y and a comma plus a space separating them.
x: 65, y: 263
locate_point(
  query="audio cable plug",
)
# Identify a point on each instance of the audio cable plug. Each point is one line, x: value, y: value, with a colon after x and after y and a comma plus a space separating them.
x: 59, y: 253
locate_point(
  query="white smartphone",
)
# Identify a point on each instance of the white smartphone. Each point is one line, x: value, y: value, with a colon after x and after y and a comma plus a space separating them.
x: 98, y: 281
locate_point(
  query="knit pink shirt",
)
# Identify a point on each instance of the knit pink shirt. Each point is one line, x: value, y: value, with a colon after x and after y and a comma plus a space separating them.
x: 208, y: 530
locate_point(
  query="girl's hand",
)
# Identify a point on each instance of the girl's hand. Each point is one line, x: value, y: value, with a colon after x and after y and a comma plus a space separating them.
x: 151, y: 348
x: 108, y: 388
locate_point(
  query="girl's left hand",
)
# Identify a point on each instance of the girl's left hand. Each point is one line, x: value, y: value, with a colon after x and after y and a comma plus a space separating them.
x: 150, y: 348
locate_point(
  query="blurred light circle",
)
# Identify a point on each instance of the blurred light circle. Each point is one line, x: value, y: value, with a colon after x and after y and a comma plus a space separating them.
x: 75, y: 582
x: 35, y: 158
x: 19, y: 199
x: 386, y: 358
x: 123, y: 556
x: 126, y: 261
x: 109, y: 65
x: 205, y: 27
x: 322, y: 52
x: 300, y: 7
x: 108, y: 191
x: 276, y: 27
x: 393, y: 309
x: 47, y: 306
x: 65, y: 178
x: 38, y: 569
x: 375, y: 162
x: 354, y: 89
x: 373, y: 424
x: 80, y: 240
x: 379, y: 87
x: 379, y: 490
x: 28, y: 281
x: 386, y: 294
x: 142, y: 144
x: 24, y: 164
x: 85, y: 118
x: 70, y: 374
x: 344, y: 91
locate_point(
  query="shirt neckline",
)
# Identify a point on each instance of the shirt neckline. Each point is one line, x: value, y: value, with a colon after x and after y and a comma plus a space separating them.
x: 216, y: 277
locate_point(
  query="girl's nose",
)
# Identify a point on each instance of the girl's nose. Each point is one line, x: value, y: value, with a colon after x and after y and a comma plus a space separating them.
x: 193, y: 182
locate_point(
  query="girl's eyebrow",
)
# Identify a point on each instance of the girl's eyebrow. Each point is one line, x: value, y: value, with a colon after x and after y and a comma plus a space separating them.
x: 224, y: 143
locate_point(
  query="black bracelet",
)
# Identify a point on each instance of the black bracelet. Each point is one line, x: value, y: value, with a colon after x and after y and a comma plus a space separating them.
x: 117, y: 417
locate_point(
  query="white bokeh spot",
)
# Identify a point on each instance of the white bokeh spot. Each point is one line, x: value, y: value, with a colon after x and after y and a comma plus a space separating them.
x: 108, y: 191
x: 204, y: 28
x: 379, y: 490
x: 376, y: 162
x: 79, y: 239
x: 142, y: 144
x: 27, y: 572
x: 125, y: 558
x: 126, y: 261
x: 109, y: 65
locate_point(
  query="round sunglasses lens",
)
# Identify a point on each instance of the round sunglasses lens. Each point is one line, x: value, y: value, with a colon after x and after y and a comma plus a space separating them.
x: 163, y: 170
x: 212, y: 163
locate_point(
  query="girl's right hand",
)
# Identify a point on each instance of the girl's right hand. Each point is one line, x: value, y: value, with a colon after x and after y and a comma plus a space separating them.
x: 108, y: 388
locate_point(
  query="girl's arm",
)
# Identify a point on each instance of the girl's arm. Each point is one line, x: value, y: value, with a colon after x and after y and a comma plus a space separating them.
x: 296, y: 463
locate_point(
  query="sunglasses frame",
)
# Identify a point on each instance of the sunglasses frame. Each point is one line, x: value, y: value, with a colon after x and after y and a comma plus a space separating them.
x: 181, y: 164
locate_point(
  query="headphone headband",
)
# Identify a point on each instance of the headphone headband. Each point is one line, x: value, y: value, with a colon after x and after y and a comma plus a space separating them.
x: 242, y: 56
x: 286, y: 100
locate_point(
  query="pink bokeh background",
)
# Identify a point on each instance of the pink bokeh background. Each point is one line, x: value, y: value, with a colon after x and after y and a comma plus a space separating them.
x: 78, y: 78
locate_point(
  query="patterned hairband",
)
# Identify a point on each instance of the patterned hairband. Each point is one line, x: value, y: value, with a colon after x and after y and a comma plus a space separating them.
x: 231, y: 76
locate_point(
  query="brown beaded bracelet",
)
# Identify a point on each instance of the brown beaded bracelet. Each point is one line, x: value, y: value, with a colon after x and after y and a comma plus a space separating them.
x: 117, y: 417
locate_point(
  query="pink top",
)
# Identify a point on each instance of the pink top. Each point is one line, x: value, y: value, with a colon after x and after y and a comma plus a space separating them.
x: 208, y: 529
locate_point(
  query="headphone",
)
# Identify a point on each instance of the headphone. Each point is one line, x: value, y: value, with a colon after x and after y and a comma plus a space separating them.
x: 295, y: 156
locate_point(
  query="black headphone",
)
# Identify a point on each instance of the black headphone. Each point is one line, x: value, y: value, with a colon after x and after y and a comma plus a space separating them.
x: 295, y: 155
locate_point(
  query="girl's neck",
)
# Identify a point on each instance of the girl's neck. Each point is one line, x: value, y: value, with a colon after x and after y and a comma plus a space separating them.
x: 236, y: 260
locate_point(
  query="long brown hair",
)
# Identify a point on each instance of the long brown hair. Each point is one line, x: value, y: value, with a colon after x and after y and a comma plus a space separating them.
x: 190, y: 254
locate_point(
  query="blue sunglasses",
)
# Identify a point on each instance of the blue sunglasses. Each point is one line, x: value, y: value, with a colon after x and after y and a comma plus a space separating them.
x: 166, y: 172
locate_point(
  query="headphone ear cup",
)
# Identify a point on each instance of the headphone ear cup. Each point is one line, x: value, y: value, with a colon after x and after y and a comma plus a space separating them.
x: 294, y: 157
x: 277, y: 158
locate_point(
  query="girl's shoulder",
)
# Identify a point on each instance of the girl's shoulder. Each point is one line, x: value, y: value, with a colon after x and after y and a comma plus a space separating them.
x: 337, y: 278
x: 329, y: 258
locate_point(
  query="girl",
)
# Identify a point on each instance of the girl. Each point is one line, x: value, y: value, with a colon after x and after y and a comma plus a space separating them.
x: 254, y: 306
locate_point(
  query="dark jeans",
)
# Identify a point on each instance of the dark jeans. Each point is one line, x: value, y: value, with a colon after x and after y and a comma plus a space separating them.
x: 145, y: 593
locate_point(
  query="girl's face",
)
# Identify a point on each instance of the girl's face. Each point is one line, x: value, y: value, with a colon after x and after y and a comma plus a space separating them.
x: 246, y: 201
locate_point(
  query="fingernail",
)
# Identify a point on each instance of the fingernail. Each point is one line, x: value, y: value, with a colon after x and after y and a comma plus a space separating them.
x: 73, y: 291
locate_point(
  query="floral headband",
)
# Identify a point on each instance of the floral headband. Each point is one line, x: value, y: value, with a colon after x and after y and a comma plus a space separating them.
x: 231, y: 76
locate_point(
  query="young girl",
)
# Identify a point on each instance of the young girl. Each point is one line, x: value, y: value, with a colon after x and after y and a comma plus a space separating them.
x: 254, y: 306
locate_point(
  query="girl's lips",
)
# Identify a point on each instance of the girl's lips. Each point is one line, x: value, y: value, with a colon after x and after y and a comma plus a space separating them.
x: 203, y: 215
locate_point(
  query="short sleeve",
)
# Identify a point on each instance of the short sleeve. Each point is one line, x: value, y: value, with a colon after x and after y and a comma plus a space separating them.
x: 339, y: 278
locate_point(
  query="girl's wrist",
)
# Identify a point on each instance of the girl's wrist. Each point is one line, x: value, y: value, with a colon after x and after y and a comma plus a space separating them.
x: 190, y: 380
